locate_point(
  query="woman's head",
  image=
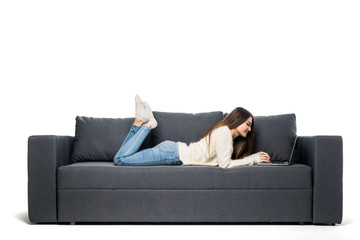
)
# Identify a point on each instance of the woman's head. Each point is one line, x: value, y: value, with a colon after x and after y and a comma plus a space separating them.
x: 241, y: 123
x: 243, y: 129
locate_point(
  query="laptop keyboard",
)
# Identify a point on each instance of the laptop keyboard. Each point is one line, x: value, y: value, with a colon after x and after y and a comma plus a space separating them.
x: 279, y: 162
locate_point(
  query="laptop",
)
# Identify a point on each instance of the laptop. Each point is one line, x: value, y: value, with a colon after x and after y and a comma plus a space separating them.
x: 280, y: 163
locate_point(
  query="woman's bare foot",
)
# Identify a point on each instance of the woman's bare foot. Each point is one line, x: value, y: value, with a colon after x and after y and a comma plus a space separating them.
x: 138, y: 122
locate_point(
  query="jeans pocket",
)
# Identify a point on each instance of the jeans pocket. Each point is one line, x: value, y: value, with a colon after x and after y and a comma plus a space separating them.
x: 166, y: 147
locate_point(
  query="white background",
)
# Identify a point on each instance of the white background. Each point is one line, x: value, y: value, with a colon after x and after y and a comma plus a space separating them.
x: 60, y: 59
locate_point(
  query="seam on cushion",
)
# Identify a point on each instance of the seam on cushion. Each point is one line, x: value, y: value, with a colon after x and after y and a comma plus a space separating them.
x: 186, y: 189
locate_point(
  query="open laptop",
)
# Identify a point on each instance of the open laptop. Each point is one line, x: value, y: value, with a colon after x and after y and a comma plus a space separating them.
x: 280, y: 163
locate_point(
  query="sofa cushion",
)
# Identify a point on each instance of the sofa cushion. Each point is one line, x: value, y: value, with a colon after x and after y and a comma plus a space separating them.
x: 183, y: 127
x: 275, y: 135
x: 98, y: 139
x: 104, y: 175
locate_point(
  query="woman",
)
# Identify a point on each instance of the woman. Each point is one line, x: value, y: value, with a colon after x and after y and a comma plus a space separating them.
x: 231, y: 138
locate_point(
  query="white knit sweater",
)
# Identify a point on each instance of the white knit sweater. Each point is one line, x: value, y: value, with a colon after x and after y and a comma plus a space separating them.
x: 221, y: 148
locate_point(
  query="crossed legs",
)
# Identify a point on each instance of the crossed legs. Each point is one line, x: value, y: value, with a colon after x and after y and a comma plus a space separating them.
x: 166, y: 153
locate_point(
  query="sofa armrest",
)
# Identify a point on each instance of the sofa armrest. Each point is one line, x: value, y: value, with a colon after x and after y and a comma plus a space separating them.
x: 325, y: 156
x: 45, y: 155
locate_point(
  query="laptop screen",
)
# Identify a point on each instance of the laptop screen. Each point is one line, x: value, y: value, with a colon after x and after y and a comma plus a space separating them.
x: 292, y: 151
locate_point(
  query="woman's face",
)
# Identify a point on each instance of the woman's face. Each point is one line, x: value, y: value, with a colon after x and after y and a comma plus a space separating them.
x: 245, y: 128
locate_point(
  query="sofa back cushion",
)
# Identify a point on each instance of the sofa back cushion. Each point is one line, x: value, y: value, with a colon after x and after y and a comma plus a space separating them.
x: 275, y: 135
x: 183, y: 127
x: 98, y: 139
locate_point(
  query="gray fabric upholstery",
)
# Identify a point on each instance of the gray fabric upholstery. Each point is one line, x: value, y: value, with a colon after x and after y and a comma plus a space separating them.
x: 275, y: 135
x: 98, y: 139
x: 122, y: 205
x: 108, y: 176
x: 183, y: 127
x: 45, y: 155
x: 95, y: 191
x: 324, y: 154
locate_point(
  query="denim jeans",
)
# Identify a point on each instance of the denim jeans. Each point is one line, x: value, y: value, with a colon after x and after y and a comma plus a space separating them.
x: 165, y: 153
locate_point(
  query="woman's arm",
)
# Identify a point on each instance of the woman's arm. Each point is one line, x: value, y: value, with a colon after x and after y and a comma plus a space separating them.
x: 249, y: 160
x: 223, y: 144
x: 224, y: 147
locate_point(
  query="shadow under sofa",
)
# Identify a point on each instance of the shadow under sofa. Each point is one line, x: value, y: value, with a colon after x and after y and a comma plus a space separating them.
x: 61, y: 189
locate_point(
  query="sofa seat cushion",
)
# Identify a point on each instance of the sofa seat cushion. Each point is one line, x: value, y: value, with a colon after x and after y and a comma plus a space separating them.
x: 105, y: 175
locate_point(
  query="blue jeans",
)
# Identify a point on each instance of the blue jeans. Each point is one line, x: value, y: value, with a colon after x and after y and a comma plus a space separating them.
x: 165, y: 153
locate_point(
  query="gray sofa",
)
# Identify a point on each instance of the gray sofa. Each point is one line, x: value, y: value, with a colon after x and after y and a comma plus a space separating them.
x: 73, y: 178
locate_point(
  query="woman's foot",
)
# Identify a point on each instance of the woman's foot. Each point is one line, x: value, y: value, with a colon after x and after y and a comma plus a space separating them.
x: 138, y: 122
x: 152, y: 121
x: 140, y: 110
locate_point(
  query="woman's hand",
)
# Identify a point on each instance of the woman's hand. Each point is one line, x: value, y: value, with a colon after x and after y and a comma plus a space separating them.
x: 264, y: 157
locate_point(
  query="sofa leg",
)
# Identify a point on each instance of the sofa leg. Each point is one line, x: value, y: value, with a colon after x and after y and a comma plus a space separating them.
x: 72, y: 223
x: 301, y: 223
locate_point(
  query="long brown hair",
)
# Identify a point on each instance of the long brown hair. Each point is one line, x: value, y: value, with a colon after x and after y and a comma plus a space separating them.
x: 242, y: 147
